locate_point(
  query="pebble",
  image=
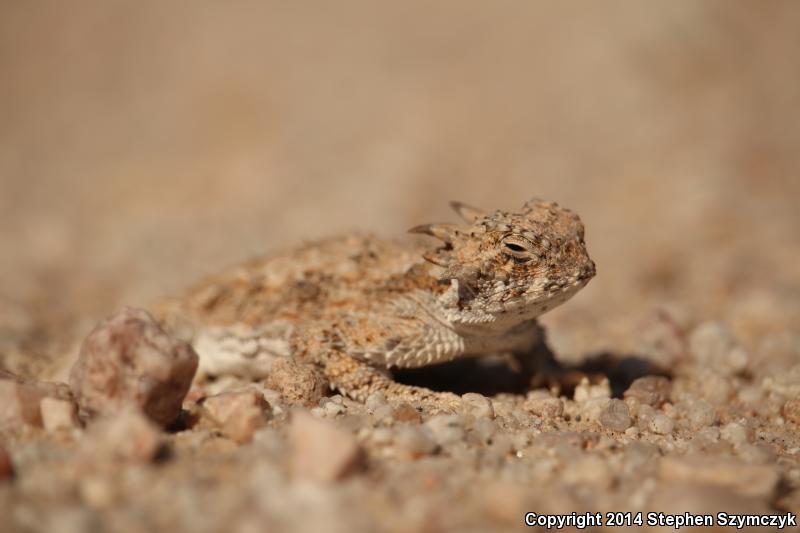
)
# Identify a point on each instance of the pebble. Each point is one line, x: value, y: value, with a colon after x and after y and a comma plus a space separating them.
x: 297, y: 383
x: 545, y: 407
x: 446, y: 429
x: 332, y: 409
x: 593, y: 408
x: 615, y: 416
x: 660, y: 338
x: 699, y: 414
x: 644, y: 415
x: 661, y: 424
x: 129, y: 360
x: 791, y: 411
x: 650, y: 390
x: 238, y: 415
x: 712, y: 346
x: 321, y: 451
x: 750, y: 394
x: 632, y: 431
x: 735, y: 433
x: 58, y: 414
x: 128, y: 435
x: 585, y: 391
x: 476, y: 405
x: 715, y: 387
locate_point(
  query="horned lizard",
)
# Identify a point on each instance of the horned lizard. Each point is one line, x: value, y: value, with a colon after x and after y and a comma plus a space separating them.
x: 355, y: 306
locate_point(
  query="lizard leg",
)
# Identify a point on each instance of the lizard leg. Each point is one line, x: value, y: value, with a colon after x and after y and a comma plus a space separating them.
x: 357, y: 379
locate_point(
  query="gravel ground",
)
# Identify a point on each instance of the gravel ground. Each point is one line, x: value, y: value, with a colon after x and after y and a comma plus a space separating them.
x: 143, y: 147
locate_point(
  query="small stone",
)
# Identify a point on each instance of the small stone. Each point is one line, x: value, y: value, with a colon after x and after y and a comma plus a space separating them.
x: 585, y: 391
x: 476, y: 405
x: 716, y: 388
x: 661, y: 424
x: 791, y: 411
x: 320, y: 451
x: 405, y: 412
x: 446, y: 429
x: 58, y: 414
x: 375, y: 400
x: 661, y: 338
x: 545, y: 407
x: 332, y: 409
x: 650, y: 390
x: 238, y: 415
x: 644, y: 415
x: 736, y: 359
x: 413, y: 442
x: 6, y: 466
x: 129, y: 359
x: 128, y: 435
x: 298, y: 384
x: 734, y: 433
x: 615, y: 416
x: 592, y: 408
x: 713, y: 346
x: 700, y: 414
x: 750, y: 395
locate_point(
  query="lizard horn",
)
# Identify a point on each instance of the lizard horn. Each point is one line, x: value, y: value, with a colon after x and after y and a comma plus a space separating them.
x: 467, y: 212
x: 444, y: 232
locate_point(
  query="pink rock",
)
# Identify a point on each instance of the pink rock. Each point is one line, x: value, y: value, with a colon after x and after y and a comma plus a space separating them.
x: 130, y: 360
x: 238, y: 415
x: 320, y: 450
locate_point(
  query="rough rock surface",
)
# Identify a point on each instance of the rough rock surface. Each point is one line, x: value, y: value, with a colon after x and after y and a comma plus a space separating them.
x: 129, y: 360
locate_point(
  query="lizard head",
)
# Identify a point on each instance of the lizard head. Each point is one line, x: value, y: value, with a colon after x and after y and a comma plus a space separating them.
x: 513, y: 266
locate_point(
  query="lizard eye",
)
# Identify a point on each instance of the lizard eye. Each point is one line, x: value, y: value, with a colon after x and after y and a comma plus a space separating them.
x: 518, y: 249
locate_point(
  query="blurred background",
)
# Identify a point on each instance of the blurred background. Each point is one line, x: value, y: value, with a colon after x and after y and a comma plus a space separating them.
x: 146, y: 144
